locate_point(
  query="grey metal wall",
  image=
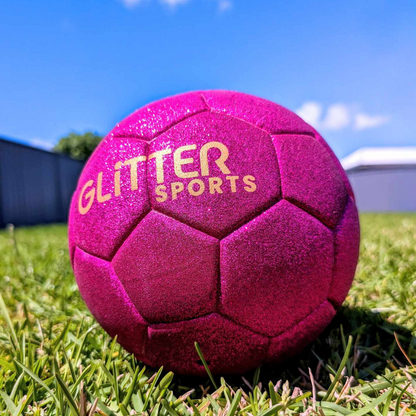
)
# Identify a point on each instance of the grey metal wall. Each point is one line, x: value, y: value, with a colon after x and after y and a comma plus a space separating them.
x: 35, y: 185
x: 384, y: 190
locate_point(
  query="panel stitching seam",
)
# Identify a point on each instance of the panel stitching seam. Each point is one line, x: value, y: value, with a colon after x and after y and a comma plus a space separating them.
x: 124, y: 289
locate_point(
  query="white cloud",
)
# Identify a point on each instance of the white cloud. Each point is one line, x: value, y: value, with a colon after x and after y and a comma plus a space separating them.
x: 171, y: 3
x: 131, y: 3
x: 224, y: 5
x: 364, y: 121
x: 337, y: 117
x: 174, y: 3
x: 41, y: 144
x: 311, y: 112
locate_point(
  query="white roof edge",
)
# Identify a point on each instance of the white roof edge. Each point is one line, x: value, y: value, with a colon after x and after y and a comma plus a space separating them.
x: 380, y: 156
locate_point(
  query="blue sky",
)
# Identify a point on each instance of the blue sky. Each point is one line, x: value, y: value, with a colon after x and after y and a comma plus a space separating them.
x: 348, y: 67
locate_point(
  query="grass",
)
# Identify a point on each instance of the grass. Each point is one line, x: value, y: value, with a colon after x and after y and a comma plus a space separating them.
x: 55, y: 360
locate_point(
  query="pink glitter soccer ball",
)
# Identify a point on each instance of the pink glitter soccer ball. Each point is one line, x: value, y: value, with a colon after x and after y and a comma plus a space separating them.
x: 214, y: 217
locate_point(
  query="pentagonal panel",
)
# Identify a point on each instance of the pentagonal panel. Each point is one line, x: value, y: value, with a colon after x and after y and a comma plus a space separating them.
x: 276, y: 269
x: 155, y: 118
x: 169, y: 270
x: 227, y: 347
x: 295, y: 339
x: 347, y: 247
x: 262, y: 113
x: 213, y: 172
x: 310, y: 177
x: 108, y: 302
x: 102, y: 213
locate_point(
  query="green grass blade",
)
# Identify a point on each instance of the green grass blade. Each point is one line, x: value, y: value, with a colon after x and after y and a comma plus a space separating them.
x: 399, y: 399
x: 22, y: 405
x: 136, y: 376
x: 271, y: 411
x: 68, y: 395
x: 69, y: 363
x: 340, y: 368
x: 235, y: 403
x: 11, y: 407
x: 149, y: 393
x: 214, y: 404
x: 367, y: 409
x: 9, y: 323
x: 105, y: 409
x: 168, y: 408
x: 37, y: 379
x: 6, y: 364
x: 256, y: 377
x: 16, y: 386
x: 56, y: 342
x: 388, y: 401
x: 194, y: 408
x: 335, y: 407
x: 201, y: 357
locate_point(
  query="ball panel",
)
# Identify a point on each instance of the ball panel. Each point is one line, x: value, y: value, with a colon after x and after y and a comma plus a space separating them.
x: 337, y: 164
x: 310, y: 178
x: 301, y: 335
x: 169, y: 270
x: 279, y: 258
x: 347, y: 247
x: 216, y: 210
x: 149, y: 121
x: 108, y: 301
x: 262, y: 113
x: 227, y: 347
x: 99, y: 220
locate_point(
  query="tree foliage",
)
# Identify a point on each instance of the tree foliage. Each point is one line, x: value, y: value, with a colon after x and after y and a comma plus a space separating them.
x: 78, y: 146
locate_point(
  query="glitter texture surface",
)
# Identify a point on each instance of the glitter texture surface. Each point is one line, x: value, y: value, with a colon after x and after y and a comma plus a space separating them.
x: 206, y: 217
x: 347, y: 251
x: 108, y: 301
x: 150, y: 121
x: 281, y: 256
x: 310, y: 178
x: 104, y: 228
x: 295, y: 339
x: 173, y: 257
x: 227, y: 347
x: 212, y: 213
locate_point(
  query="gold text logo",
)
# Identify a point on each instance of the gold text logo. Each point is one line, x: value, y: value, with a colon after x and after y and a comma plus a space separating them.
x: 201, y: 181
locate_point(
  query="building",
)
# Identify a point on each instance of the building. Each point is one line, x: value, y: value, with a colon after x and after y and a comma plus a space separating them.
x: 35, y: 185
x: 383, y: 179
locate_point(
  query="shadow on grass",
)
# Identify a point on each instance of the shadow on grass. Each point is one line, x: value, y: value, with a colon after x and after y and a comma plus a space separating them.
x: 374, y: 350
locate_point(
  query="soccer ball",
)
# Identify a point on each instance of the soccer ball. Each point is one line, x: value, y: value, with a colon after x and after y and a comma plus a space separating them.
x: 213, y: 217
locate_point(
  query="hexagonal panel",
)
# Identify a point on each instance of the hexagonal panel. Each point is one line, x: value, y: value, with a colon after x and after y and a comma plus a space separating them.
x: 347, y: 248
x: 169, y: 270
x: 227, y: 347
x: 295, y: 339
x: 108, y: 301
x: 337, y: 163
x: 225, y: 173
x: 276, y: 269
x: 153, y: 119
x: 262, y: 113
x: 101, y: 216
x: 310, y: 177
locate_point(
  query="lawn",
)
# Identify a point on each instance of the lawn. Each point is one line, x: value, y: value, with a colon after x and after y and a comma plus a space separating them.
x: 55, y: 359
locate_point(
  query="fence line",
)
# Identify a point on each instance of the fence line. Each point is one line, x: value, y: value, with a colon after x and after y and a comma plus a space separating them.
x: 35, y: 185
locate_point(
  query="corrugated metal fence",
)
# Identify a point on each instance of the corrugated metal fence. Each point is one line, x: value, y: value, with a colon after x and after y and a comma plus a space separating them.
x: 35, y: 185
x: 384, y: 189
